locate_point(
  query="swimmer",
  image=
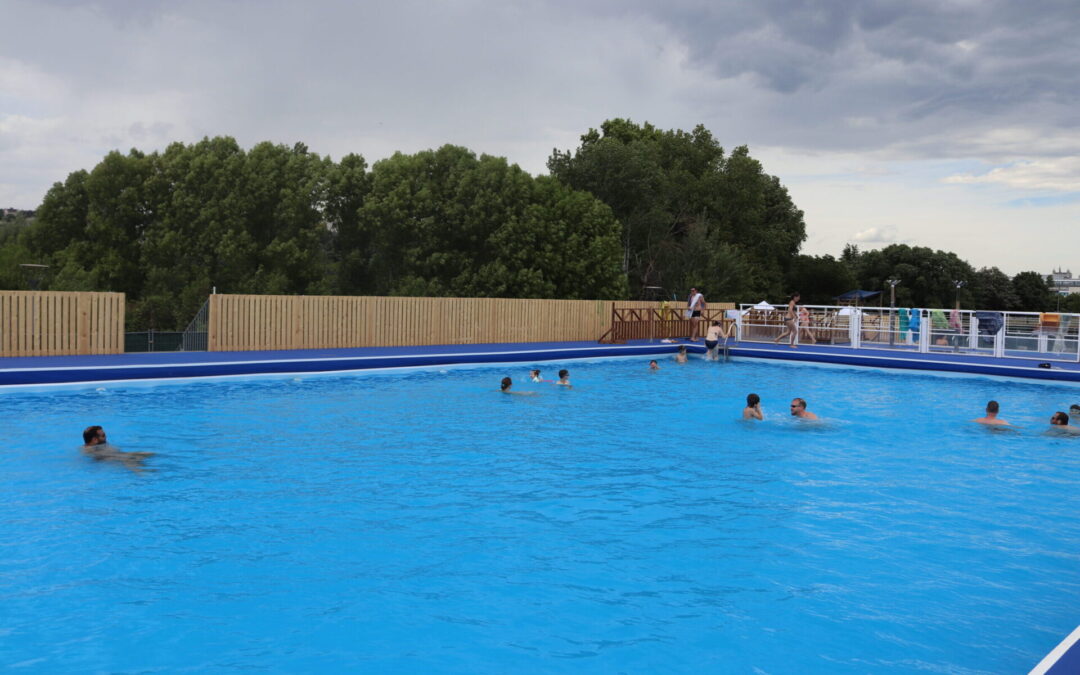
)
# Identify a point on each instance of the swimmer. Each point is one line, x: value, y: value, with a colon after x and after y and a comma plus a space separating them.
x: 1074, y: 411
x: 798, y: 409
x: 96, y: 446
x: 681, y: 356
x: 991, y: 418
x: 507, y: 383
x: 1059, y: 424
x: 712, y: 339
x: 653, y: 365
x: 564, y: 378
x: 752, y: 411
x: 534, y: 375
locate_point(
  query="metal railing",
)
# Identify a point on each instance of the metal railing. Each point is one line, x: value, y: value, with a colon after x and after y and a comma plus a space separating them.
x: 153, y: 341
x: 1043, y: 336
x: 195, y: 335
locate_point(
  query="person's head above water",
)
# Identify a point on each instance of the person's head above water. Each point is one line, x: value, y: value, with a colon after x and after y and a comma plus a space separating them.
x: 992, y: 408
x: 1074, y: 410
x: 506, y: 382
x: 653, y: 365
x: 94, y: 435
x: 1060, y: 419
x: 564, y: 373
x: 798, y: 406
x: 752, y: 400
x: 682, y: 349
x: 535, y: 372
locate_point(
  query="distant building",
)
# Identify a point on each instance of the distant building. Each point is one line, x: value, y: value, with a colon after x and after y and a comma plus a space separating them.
x: 1063, y: 283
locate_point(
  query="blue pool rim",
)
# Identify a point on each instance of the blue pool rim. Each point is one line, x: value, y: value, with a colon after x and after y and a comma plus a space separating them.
x: 56, y: 370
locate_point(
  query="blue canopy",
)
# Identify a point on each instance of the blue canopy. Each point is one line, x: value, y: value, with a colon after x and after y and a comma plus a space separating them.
x: 858, y: 295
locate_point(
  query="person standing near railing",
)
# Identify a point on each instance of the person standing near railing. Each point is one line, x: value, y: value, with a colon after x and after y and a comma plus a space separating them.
x: 695, y: 305
x: 791, y: 320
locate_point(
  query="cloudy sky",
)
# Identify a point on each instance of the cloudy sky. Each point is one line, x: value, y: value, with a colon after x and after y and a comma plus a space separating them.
x: 953, y: 124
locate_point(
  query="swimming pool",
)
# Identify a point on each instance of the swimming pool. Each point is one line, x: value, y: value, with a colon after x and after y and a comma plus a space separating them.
x: 423, y: 522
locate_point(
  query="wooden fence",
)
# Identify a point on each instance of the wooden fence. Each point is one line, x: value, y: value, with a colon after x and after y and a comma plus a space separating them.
x: 44, y: 323
x: 255, y: 322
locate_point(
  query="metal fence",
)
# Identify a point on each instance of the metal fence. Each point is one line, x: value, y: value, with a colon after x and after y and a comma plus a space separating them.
x: 1043, y: 336
x: 195, y: 335
x: 153, y: 341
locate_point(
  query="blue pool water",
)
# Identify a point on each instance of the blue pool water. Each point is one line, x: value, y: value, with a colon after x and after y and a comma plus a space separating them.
x: 423, y: 522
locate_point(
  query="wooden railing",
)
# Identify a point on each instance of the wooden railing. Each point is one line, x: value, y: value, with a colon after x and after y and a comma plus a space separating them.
x: 257, y: 322
x: 43, y: 323
x: 661, y: 322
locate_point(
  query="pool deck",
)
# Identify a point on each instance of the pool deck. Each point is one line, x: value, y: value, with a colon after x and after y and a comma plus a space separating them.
x: 51, y: 370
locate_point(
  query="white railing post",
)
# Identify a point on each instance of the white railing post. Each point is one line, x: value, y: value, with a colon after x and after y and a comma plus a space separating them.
x: 924, y: 332
x: 855, y: 325
x: 738, y: 325
x: 973, y: 332
x: 999, y: 341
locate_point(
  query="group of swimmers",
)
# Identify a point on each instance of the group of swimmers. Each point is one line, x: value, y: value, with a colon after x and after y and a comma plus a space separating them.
x: 752, y: 411
x: 1059, y: 421
x: 534, y: 376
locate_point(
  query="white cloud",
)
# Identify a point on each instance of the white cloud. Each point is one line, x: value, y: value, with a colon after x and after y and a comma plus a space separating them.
x: 886, y: 234
x: 1049, y: 175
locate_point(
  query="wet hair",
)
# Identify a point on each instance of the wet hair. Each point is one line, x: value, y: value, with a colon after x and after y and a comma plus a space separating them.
x: 992, y: 407
x: 1074, y: 409
x: 564, y: 373
x: 682, y: 349
x: 652, y: 362
x: 90, y: 433
x: 801, y: 402
x: 752, y: 400
x: 534, y: 371
x: 1060, y: 418
x: 506, y: 382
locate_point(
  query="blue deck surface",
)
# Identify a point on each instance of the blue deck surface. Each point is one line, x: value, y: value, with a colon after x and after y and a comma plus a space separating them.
x: 40, y: 370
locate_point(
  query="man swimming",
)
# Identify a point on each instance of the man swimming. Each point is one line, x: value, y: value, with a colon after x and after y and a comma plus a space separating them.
x: 1059, y: 424
x: 653, y: 365
x: 991, y: 418
x: 96, y: 446
x: 798, y: 409
x: 752, y: 411
x: 564, y: 378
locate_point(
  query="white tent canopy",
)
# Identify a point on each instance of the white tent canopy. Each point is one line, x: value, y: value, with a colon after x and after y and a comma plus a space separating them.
x: 763, y: 305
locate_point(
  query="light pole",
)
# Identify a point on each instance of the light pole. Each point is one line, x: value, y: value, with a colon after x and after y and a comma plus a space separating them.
x: 892, y: 306
x: 959, y: 284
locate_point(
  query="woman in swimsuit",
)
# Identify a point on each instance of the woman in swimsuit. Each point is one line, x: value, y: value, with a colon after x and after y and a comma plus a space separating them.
x: 791, y: 321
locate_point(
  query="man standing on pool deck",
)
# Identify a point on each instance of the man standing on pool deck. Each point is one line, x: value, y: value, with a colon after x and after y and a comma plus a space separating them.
x: 991, y: 418
x: 798, y: 409
x: 694, y: 307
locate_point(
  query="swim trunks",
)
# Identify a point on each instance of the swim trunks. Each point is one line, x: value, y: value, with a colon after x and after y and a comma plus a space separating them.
x: 711, y: 344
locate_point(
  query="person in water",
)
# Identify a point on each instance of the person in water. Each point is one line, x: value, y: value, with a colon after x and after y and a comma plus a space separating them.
x: 534, y: 375
x: 681, y: 356
x: 798, y: 409
x: 1059, y: 424
x: 96, y: 446
x: 653, y: 365
x: 564, y: 378
x: 991, y: 418
x: 507, y: 383
x: 712, y: 339
x: 752, y: 411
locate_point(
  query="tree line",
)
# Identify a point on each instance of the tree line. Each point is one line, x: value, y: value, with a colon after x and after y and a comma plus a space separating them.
x: 633, y: 211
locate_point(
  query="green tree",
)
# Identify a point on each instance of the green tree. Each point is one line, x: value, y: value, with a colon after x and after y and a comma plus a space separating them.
x: 1032, y: 292
x: 685, y: 206
x: 819, y: 279
x: 992, y: 289
x: 445, y: 222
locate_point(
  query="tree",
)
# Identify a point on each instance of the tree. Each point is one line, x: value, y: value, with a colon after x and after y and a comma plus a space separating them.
x: 992, y: 289
x: 685, y: 206
x: 444, y: 222
x: 819, y: 279
x: 1032, y: 292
